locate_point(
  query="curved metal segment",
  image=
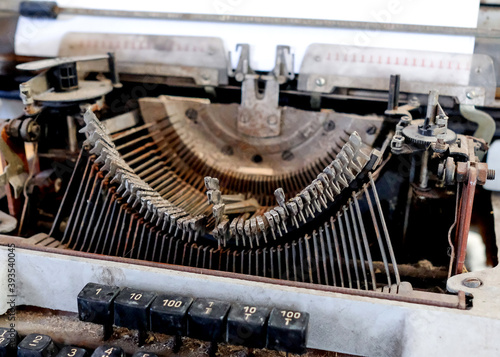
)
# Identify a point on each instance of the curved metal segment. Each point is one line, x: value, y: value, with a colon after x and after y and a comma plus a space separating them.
x: 318, y: 235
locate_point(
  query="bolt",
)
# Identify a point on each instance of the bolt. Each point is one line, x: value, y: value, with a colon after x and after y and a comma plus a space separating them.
x: 329, y: 125
x: 239, y: 77
x: 371, y: 130
x: 470, y: 95
x: 320, y: 82
x: 191, y: 114
x: 440, y: 146
x: 287, y: 155
x: 397, y: 142
x: 405, y: 120
x: 441, y: 120
x: 414, y: 101
x: 472, y: 283
x: 491, y: 174
x: 272, y: 120
x: 205, y: 76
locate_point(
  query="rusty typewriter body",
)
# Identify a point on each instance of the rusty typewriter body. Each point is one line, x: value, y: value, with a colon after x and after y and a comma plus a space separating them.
x: 346, y: 190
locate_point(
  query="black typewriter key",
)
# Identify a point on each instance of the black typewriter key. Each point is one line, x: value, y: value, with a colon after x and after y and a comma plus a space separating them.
x: 144, y: 354
x: 169, y: 314
x: 95, y: 304
x: 206, y: 319
x: 287, y: 330
x: 8, y: 342
x: 36, y: 345
x: 70, y: 351
x: 108, y: 351
x: 132, y: 310
x: 246, y: 325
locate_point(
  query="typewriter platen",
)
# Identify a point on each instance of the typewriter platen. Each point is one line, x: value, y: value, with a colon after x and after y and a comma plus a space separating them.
x: 330, y: 206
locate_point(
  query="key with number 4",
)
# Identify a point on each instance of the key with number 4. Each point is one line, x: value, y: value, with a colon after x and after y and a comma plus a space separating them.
x: 108, y: 351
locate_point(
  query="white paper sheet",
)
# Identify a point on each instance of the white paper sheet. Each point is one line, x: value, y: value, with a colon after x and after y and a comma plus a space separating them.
x: 42, y: 37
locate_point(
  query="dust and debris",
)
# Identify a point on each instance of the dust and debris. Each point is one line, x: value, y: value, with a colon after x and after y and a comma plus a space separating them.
x: 66, y: 329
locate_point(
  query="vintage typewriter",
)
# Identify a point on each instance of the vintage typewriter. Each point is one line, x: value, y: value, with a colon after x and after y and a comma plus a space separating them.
x: 160, y: 197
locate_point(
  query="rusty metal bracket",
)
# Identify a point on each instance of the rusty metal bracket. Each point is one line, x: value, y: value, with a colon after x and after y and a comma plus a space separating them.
x: 40, y: 89
x: 464, y: 214
x: 259, y: 114
x: 14, y: 172
x: 484, y: 286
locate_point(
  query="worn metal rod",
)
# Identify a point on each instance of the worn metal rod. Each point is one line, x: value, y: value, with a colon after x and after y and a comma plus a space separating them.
x: 424, y: 172
x: 51, y: 10
x: 384, y: 228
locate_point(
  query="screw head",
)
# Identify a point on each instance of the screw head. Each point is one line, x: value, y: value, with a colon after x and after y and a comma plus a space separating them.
x: 191, y: 113
x: 470, y: 95
x: 329, y: 125
x: 397, y: 142
x: 472, y: 283
x: 272, y: 120
x: 317, y: 58
x: 239, y: 77
x: 320, y: 82
x: 414, y: 101
x: 287, y: 155
x: 371, y: 130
